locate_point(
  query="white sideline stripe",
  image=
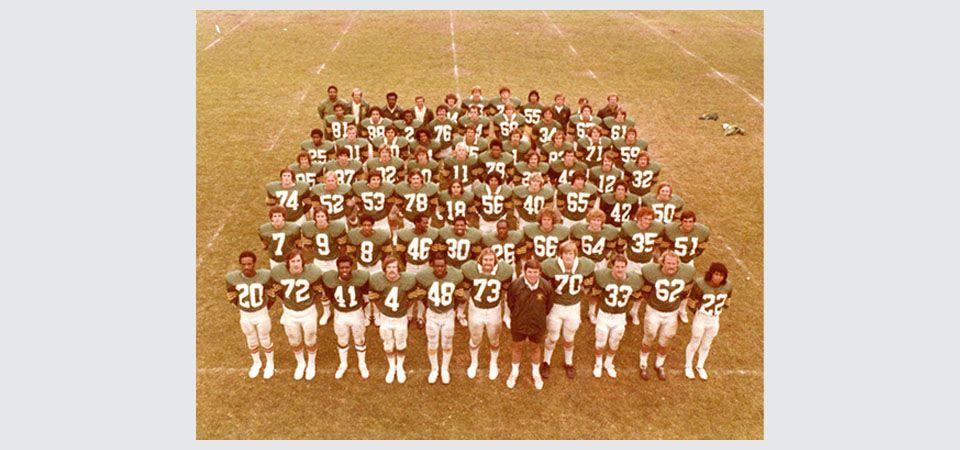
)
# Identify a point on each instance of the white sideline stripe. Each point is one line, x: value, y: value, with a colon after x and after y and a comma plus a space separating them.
x: 633, y: 371
x: 575, y: 52
x: 453, y: 46
x: 741, y: 25
x: 337, y: 45
x: 717, y: 72
x: 217, y: 40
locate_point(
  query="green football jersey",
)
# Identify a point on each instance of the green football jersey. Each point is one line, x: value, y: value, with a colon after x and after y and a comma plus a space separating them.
x: 592, y: 152
x: 399, y: 147
x: 440, y: 294
x: 617, y: 129
x: 543, y: 132
x: 554, y: 154
x: 595, y: 245
x: 560, y: 174
x: 503, y: 125
x: 502, y: 165
x: 391, y: 171
x: 466, y: 170
x: 604, y: 180
x: 408, y: 130
x: 325, y: 108
x: 641, y: 178
x: 296, y: 199
x: 297, y: 292
x: 346, y: 295
x: 506, y: 250
x: 371, y: 130
x: 247, y: 293
x: 337, y: 128
x: 325, y: 244
x: 540, y: 244
x: 308, y: 175
x: 450, y: 207
x: 345, y: 174
x: 640, y: 244
x: 360, y: 149
x: 710, y: 300
x: 367, y: 250
x: 482, y: 124
x: 619, y: 211
x: 391, y: 296
x: 487, y: 289
x: 529, y: 204
x: 474, y: 148
x: 531, y: 112
x: 574, y: 203
x: 430, y: 170
x: 522, y: 173
x: 415, y: 248
x: 443, y: 131
x: 318, y: 154
x: 663, y: 292
x: 460, y: 249
x: 687, y: 245
x: 518, y: 152
x: 494, y: 205
x: 376, y: 202
x: 470, y: 101
x: 495, y: 106
x: 615, y: 295
x: 335, y: 200
x: 664, y: 211
x: 629, y: 151
x: 569, y: 283
x: 423, y: 200
x: 278, y: 242
x: 580, y: 126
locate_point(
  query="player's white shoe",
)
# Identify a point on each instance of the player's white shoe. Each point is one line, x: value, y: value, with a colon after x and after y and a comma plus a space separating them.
x: 401, y: 375
x: 593, y: 318
x: 298, y: 374
x: 432, y: 378
x: 537, y: 381
x: 506, y: 321
x: 688, y: 371
x: 326, y: 316
x: 472, y: 370
x: 635, y: 319
x: 611, y: 371
x: 683, y: 316
x: 311, y: 370
x: 363, y: 371
x: 494, y: 371
x: 376, y: 319
x: 255, y: 369
x: 702, y: 372
x: 512, y: 379
x: 597, y: 370
x: 445, y: 376
x: 391, y: 372
x: 462, y: 319
x: 268, y: 370
x: 340, y: 371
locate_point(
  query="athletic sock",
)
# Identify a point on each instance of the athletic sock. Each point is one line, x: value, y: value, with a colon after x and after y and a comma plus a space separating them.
x: 256, y: 356
x: 343, y: 355
x: 643, y: 358
x: 568, y: 356
x: 299, y: 355
x: 433, y: 359
x: 548, y: 351
x: 268, y: 352
x: 392, y: 361
x: 447, y: 353
x: 660, y: 359
x: 400, y: 357
x: 514, y: 369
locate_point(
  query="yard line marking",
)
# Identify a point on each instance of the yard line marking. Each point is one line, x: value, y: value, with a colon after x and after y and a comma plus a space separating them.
x: 575, y: 52
x: 337, y: 45
x: 352, y: 370
x: 217, y: 40
x: 741, y: 25
x: 453, y: 47
x: 688, y: 52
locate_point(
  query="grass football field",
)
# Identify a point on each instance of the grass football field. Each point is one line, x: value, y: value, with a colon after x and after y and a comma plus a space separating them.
x: 260, y: 76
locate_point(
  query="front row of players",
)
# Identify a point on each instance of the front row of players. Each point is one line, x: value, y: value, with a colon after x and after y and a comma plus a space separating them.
x: 554, y: 311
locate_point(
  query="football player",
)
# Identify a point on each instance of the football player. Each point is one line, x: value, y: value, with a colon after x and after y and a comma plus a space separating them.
x: 298, y: 286
x: 532, y: 109
x: 389, y: 290
x: 664, y: 286
x: 561, y: 111
x: 516, y: 147
x: 461, y: 165
x: 304, y: 170
x: 325, y: 108
x: 347, y: 288
x: 461, y: 244
x: 629, y: 148
x: 544, y: 130
x: 498, y: 105
x: 617, y: 125
x: 421, y: 162
x: 642, y: 174
x: 616, y: 287
x: 408, y: 126
x: 375, y: 198
x: 494, y: 201
x: 343, y: 167
x: 453, y: 202
x: 442, y: 289
x: 291, y: 194
x: 595, y: 239
x: 333, y: 195
x: 666, y: 205
x: 540, y: 239
x: 488, y: 280
x: 619, y: 205
x: 245, y: 288
x: 557, y: 146
x: 399, y: 145
x: 423, y: 140
x: 391, y: 110
x: 453, y: 110
x: 375, y: 126
x: 531, y: 297
x: 562, y: 170
x: 414, y: 245
x: 612, y: 108
x: 576, y: 198
x: 606, y: 174
x: 531, y: 197
x: 709, y: 297
x: 504, y: 244
x: 474, y: 142
x: 325, y: 241
x: 571, y: 276
x: 420, y: 110
x: 338, y: 121
x: 367, y: 245
x: 642, y: 241
x: 507, y: 121
x: 590, y: 149
x: 473, y: 117
x: 689, y: 240
x: 359, y: 148
x: 583, y: 121
x: 318, y: 148
x: 475, y: 98
x: 418, y: 197
x: 529, y: 166
x: 442, y: 130
x: 390, y: 167
x: 278, y: 236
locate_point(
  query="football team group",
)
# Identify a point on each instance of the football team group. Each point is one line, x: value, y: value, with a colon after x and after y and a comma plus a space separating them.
x: 410, y: 218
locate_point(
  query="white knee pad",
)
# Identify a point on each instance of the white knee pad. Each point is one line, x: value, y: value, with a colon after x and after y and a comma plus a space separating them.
x: 570, y: 330
x: 343, y: 333
x: 387, y: 336
x: 616, y: 334
x: 602, y: 332
x: 310, y: 334
x: 553, y: 329
x: 493, y: 334
x: 263, y: 331
x: 294, y: 334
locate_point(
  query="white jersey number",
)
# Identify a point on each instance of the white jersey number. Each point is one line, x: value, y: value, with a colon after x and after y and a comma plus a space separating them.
x: 302, y: 287
x: 251, y: 295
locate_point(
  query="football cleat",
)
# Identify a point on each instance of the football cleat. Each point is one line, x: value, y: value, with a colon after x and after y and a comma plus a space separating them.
x: 268, y: 370
x: 688, y: 371
x: 311, y: 370
x: 432, y: 378
x: 462, y: 320
x: 420, y: 324
x: 683, y: 317
x: 611, y: 371
x: 298, y: 374
x: 326, y: 316
x: 545, y: 370
x: 661, y: 373
x: 593, y: 318
x: 340, y: 371
x: 597, y: 370
x: 472, y: 370
x: 445, y: 376
x: 571, y: 371
x: 538, y: 382
x: 391, y: 372
x: 401, y: 375
x: 644, y: 374
x: 506, y: 321
x: 376, y: 319
x: 702, y: 372
x: 494, y: 371
x: 363, y: 371
x: 255, y: 369
x: 512, y: 379
x: 635, y: 320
